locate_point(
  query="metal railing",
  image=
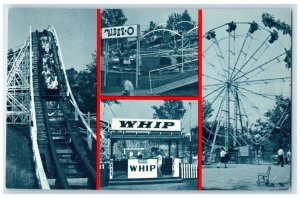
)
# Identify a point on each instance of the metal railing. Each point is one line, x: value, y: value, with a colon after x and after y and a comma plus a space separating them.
x: 171, y: 67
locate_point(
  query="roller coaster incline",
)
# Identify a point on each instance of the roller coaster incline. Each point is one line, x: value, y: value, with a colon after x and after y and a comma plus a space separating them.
x: 61, y: 157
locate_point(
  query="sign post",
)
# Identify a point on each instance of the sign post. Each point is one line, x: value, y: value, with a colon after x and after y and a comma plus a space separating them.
x: 126, y: 31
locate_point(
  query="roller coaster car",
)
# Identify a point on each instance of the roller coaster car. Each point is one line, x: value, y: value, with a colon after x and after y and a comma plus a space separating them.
x: 50, y: 94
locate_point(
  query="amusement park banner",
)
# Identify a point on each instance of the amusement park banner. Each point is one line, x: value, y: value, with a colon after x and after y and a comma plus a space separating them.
x: 145, y: 125
x: 137, y: 98
x: 120, y: 32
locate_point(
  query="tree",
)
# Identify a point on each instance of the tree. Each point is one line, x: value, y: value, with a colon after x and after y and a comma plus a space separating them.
x: 206, y: 111
x: 112, y: 17
x: 110, y: 102
x: 270, y: 22
x: 174, y: 20
x: 171, y: 109
x: 83, y: 85
x: 278, y: 124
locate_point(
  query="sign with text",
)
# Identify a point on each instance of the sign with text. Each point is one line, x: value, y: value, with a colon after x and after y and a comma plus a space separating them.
x: 145, y: 124
x: 142, y: 168
x: 127, y: 31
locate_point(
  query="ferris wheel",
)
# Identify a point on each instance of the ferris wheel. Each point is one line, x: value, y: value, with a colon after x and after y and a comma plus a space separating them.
x: 243, y: 72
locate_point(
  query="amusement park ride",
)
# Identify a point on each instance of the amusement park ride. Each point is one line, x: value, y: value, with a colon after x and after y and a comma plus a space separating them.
x: 39, y: 95
x: 243, y: 72
x: 163, y: 59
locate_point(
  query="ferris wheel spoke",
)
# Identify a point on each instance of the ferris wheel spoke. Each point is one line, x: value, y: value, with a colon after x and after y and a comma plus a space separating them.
x: 240, y: 115
x: 256, y: 60
x: 252, y: 56
x: 214, y: 91
x: 231, y: 52
x: 219, y: 112
x: 238, y: 101
x: 268, y: 96
x: 239, y: 55
x: 216, y: 79
x: 219, y: 53
x: 212, y: 85
x: 260, y: 66
x: 252, y: 105
x: 264, y: 81
x: 214, y: 67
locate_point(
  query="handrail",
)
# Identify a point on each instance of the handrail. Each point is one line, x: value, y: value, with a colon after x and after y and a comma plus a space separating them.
x: 69, y: 91
x: 171, y: 66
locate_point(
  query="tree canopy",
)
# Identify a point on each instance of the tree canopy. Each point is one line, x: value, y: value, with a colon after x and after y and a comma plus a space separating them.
x: 112, y: 17
x: 171, y: 109
x: 270, y: 22
x: 83, y: 85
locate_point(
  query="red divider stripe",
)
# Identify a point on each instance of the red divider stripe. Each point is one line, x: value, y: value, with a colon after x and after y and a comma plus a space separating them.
x: 200, y: 99
x: 98, y: 99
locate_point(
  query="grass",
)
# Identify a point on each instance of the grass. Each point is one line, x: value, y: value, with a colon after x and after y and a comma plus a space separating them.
x: 20, y: 171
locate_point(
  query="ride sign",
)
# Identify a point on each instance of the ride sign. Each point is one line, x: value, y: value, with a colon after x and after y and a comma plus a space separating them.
x: 145, y: 124
x: 142, y: 168
x: 120, y: 32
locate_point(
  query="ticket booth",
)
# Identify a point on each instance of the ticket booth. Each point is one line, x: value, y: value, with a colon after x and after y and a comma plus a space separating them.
x: 142, y: 168
x: 138, y: 164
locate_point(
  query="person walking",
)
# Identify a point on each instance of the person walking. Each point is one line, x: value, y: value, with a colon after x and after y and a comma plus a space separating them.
x: 280, y: 154
x: 223, y: 158
x: 128, y: 88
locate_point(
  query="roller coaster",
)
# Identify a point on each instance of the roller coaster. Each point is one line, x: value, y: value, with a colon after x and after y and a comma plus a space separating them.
x: 39, y: 94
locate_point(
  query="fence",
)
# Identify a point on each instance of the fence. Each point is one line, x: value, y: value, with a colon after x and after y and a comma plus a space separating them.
x: 189, y: 171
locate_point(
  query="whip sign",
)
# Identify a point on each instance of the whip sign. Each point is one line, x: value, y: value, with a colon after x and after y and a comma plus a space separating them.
x: 142, y: 168
x: 145, y: 124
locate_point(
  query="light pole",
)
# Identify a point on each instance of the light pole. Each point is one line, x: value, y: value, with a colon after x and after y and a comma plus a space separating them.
x: 191, y: 159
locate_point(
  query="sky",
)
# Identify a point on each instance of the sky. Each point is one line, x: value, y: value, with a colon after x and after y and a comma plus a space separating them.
x: 157, y: 15
x: 76, y: 30
x: 142, y: 109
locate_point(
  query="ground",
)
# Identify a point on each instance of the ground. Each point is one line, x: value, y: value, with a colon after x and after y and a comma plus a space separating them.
x: 186, y: 185
x: 244, y: 176
x: 236, y: 177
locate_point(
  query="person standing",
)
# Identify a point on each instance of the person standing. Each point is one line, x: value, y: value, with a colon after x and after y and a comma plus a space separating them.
x: 159, y: 163
x: 280, y: 154
x: 223, y: 159
x: 288, y: 157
